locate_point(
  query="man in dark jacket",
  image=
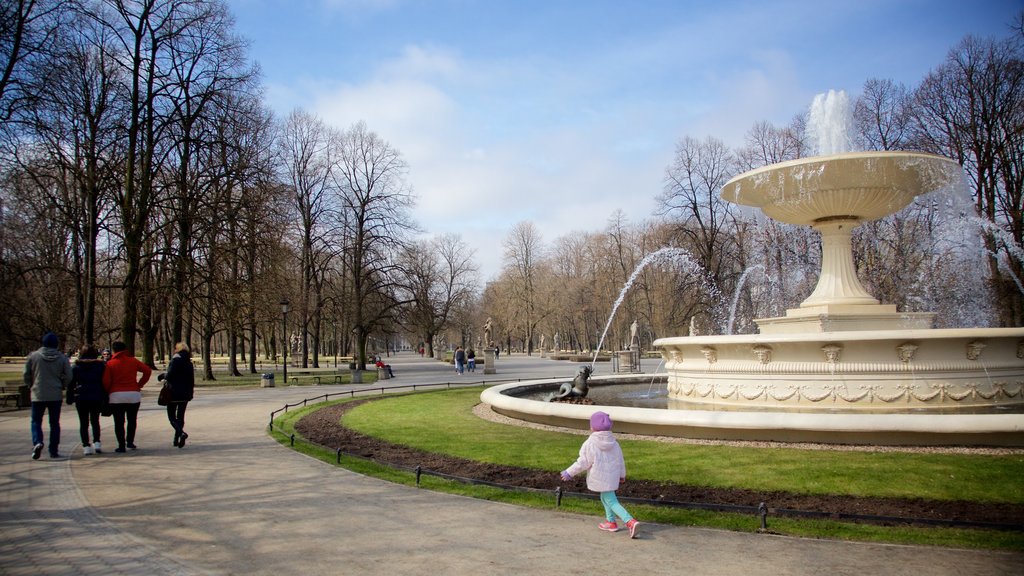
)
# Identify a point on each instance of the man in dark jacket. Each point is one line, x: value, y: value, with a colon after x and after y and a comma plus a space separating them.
x: 47, y: 374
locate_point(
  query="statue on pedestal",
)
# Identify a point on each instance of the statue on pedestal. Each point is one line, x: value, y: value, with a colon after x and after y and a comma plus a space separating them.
x: 487, y: 329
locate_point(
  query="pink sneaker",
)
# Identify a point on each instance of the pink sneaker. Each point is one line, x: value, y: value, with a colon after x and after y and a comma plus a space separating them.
x: 608, y: 526
x: 632, y: 525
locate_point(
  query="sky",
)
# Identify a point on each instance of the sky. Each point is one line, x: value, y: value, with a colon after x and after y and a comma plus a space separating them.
x: 564, y: 112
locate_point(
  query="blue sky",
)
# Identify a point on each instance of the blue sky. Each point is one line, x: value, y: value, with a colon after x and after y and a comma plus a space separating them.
x: 562, y: 112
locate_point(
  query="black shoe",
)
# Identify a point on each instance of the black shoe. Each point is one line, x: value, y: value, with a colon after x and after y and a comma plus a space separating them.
x: 37, y: 451
x: 177, y: 436
x: 181, y: 440
x: 120, y: 450
x: 133, y: 447
x: 55, y: 455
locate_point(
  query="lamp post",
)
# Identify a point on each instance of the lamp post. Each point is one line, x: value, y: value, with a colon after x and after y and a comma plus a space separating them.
x: 284, y: 336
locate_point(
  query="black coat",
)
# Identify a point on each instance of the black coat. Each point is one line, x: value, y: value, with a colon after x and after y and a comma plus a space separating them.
x: 87, y: 381
x: 181, y: 376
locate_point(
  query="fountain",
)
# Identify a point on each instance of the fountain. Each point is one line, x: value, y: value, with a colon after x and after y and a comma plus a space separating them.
x: 842, y: 367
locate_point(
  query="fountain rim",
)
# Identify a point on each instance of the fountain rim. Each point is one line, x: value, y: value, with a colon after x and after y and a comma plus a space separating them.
x: 831, y: 158
x: 642, y: 420
x: 845, y: 336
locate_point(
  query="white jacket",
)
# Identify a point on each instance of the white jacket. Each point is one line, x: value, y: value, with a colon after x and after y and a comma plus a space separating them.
x: 602, y: 457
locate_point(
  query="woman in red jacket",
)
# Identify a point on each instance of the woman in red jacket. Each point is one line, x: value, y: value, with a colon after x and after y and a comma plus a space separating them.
x: 125, y: 392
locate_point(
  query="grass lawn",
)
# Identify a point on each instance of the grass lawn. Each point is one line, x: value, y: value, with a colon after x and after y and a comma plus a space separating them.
x: 443, y: 422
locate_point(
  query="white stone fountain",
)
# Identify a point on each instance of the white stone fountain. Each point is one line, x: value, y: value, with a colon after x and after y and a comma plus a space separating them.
x: 841, y: 351
x: 842, y: 367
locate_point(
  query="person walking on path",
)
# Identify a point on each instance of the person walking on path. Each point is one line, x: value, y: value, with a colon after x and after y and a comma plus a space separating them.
x: 125, y: 392
x: 460, y: 360
x: 180, y: 376
x: 471, y: 360
x: 47, y: 374
x: 602, y: 458
x: 86, y: 392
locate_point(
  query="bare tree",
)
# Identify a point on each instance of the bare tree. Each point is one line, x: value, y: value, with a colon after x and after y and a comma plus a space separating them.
x: 706, y: 222
x: 370, y: 176
x: 970, y: 109
x: 524, y: 264
x: 28, y: 33
x: 440, y: 278
x: 882, y: 114
x: 309, y: 150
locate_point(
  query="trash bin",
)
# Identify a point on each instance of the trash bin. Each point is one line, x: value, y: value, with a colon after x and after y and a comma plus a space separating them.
x: 382, y: 374
x: 267, y: 380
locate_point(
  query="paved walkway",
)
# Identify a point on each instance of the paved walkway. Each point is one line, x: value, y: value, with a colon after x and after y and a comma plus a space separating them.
x: 235, y: 502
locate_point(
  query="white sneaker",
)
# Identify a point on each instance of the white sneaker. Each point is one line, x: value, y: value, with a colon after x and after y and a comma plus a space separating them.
x: 97, y: 447
x: 87, y: 450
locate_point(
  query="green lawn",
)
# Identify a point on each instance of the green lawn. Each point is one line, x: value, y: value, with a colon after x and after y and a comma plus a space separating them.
x: 443, y: 422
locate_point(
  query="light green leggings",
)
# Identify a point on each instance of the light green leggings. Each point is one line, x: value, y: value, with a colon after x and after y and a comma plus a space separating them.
x: 612, y: 508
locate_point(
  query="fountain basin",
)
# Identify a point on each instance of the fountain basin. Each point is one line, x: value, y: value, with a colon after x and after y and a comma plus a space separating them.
x: 892, y: 429
x: 941, y: 371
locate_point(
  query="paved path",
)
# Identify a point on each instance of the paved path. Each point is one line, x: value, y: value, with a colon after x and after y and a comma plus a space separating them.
x: 235, y: 502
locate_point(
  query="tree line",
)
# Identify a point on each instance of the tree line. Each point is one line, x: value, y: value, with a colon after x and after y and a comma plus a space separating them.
x: 958, y: 254
x: 147, y: 194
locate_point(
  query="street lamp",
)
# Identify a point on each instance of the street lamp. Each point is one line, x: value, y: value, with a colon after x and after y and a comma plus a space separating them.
x: 284, y: 336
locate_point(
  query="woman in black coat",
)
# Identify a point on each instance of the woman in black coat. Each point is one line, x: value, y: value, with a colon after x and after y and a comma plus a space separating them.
x: 87, y: 394
x: 180, y: 376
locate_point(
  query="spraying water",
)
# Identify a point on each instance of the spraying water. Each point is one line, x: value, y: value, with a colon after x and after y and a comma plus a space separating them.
x: 663, y: 255
x: 829, y: 124
x: 736, y: 295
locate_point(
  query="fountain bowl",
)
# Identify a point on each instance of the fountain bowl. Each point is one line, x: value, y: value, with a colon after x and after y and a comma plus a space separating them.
x: 861, y: 186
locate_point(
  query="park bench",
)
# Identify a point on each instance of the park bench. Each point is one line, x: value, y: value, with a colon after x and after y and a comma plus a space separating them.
x: 16, y: 392
x: 314, y: 377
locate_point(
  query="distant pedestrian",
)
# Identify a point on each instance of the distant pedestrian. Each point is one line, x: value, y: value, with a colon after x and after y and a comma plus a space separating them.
x: 496, y: 350
x: 88, y: 395
x: 460, y: 360
x: 471, y: 360
x: 47, y: 374
x: 181, y: 377
x: 125, y: 393
x: 602, y: 458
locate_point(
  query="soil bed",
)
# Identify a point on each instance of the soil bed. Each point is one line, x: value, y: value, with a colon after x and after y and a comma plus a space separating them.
x: 323, y: 427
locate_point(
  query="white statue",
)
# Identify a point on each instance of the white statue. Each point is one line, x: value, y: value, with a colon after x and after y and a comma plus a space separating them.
x: 487, y: 329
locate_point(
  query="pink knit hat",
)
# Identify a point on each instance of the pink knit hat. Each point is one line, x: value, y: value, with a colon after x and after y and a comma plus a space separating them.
x: 600, y: 422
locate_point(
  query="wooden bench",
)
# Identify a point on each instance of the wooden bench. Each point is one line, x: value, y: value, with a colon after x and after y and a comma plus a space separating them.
x: 14, y: 392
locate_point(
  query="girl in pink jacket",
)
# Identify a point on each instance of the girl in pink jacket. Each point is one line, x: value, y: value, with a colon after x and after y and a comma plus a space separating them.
x: 602, y: 457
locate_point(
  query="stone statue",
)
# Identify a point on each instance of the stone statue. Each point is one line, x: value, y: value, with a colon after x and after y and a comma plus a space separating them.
x: 487, y: 329
x: 632, y: 334
x: 577, y: 389
x: 541, y: 342
x: 558, y: 342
